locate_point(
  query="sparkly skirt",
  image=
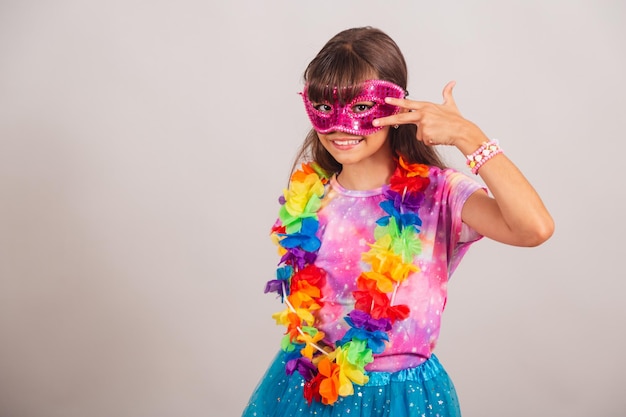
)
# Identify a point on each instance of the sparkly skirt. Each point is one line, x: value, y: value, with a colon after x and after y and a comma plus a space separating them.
x: 423, y: 391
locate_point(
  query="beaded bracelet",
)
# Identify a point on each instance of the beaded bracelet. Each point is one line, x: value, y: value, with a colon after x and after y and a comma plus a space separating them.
x: 483, y: 154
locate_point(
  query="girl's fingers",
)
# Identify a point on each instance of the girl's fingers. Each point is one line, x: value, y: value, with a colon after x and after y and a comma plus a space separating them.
x: 448, y: 99
x: 403, y: 118
x: 407, y: 104
x: 432, y: 120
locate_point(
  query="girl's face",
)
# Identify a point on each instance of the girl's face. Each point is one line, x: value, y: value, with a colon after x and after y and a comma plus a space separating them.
x: 345, y: 129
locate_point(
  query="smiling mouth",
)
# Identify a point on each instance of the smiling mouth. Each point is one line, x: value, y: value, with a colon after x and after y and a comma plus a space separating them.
x: 348, y: 142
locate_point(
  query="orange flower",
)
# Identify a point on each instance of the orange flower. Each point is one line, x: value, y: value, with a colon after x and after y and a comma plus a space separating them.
x: 294, y: 323
x: 384, y: 283
x: 414, y: 169
x: 329, y: 384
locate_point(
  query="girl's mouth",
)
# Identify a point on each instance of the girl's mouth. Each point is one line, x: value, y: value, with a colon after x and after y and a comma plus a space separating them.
x: 347, y: 142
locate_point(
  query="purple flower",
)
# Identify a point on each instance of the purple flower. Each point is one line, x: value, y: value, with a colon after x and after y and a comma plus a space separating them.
x: 410, y: 201
x: 303, y: 365
x: 275, y: 285
x: 362, y: 320
x: 280, y: 285
x: 298, y: 257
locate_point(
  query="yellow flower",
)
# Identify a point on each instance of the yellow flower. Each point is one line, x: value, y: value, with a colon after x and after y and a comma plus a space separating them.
x: 384, y: 260
x: 304, y: 196
x: 275, y: 238
x: 381, y: 257
x: 282, y: 317
x: 348, y: 374
x: 310, y: 342
x: 400, y: 271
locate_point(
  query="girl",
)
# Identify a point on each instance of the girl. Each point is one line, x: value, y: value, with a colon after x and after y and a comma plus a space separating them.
x: 370, y: 230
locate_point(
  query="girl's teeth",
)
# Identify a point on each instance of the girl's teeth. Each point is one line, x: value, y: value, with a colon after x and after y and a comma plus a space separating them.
x: 347, y: 142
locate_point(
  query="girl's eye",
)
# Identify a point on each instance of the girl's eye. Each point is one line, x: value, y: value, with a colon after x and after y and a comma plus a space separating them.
x: 362, y: 107
x: 324, y: 108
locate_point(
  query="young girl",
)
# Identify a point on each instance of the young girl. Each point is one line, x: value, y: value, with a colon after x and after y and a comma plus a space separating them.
x: 370, y: 230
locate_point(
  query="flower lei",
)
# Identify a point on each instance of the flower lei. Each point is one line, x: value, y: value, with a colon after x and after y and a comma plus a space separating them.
x: 330, y: 371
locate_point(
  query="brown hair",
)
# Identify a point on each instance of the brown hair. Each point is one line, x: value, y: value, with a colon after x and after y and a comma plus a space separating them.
x: 350, y: 57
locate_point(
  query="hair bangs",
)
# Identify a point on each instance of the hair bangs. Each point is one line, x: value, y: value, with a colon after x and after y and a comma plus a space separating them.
x: 344, y: 71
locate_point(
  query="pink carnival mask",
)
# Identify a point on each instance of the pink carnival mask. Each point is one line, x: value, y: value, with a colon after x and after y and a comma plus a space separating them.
x: 356, y: 116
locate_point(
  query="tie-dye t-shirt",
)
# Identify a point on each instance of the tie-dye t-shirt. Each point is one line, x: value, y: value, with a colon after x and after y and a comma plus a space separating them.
x: 347, y: 221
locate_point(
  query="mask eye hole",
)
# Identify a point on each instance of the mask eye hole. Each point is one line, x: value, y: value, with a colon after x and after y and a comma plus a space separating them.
x: 322, y: 107
x: 362, y: 106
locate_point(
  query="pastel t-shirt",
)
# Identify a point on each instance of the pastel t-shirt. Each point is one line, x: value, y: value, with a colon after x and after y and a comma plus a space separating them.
x: 347, y: 221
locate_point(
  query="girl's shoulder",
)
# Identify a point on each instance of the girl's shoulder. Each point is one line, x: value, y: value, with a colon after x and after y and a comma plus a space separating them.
x: 447, y: 174
x: 445, y: 171
x: 450, y: 181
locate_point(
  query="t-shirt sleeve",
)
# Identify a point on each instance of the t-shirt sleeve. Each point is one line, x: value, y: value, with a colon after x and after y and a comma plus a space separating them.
x: 459, y: 188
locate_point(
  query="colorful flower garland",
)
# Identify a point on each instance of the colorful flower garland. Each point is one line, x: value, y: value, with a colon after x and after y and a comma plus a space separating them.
x: 330, y: 371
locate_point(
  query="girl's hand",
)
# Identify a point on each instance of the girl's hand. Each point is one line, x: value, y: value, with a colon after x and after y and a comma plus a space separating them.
x: 437, y: 124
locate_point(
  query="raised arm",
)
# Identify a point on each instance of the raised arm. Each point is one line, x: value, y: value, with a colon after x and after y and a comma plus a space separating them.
x: 515, y: 214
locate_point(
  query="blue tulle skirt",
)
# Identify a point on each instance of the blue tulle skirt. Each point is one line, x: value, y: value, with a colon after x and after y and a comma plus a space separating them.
x: 424, y: 391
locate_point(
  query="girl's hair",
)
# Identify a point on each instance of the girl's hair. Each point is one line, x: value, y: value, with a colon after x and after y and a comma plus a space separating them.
x: 350, y: 57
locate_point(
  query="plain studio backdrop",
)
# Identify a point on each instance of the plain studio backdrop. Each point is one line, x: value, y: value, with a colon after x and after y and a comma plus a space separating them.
x: 143, y: 145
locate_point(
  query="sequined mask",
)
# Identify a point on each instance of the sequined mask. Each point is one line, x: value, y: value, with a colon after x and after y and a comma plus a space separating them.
x: 356, y: 116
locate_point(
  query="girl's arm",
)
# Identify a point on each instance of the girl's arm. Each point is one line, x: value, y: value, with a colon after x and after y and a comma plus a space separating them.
x: 515, y: 215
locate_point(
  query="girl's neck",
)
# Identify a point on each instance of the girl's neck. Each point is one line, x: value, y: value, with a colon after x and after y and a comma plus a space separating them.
x: 366, y: 176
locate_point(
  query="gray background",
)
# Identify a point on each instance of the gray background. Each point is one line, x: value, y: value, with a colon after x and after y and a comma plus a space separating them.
x: 143, y: 145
